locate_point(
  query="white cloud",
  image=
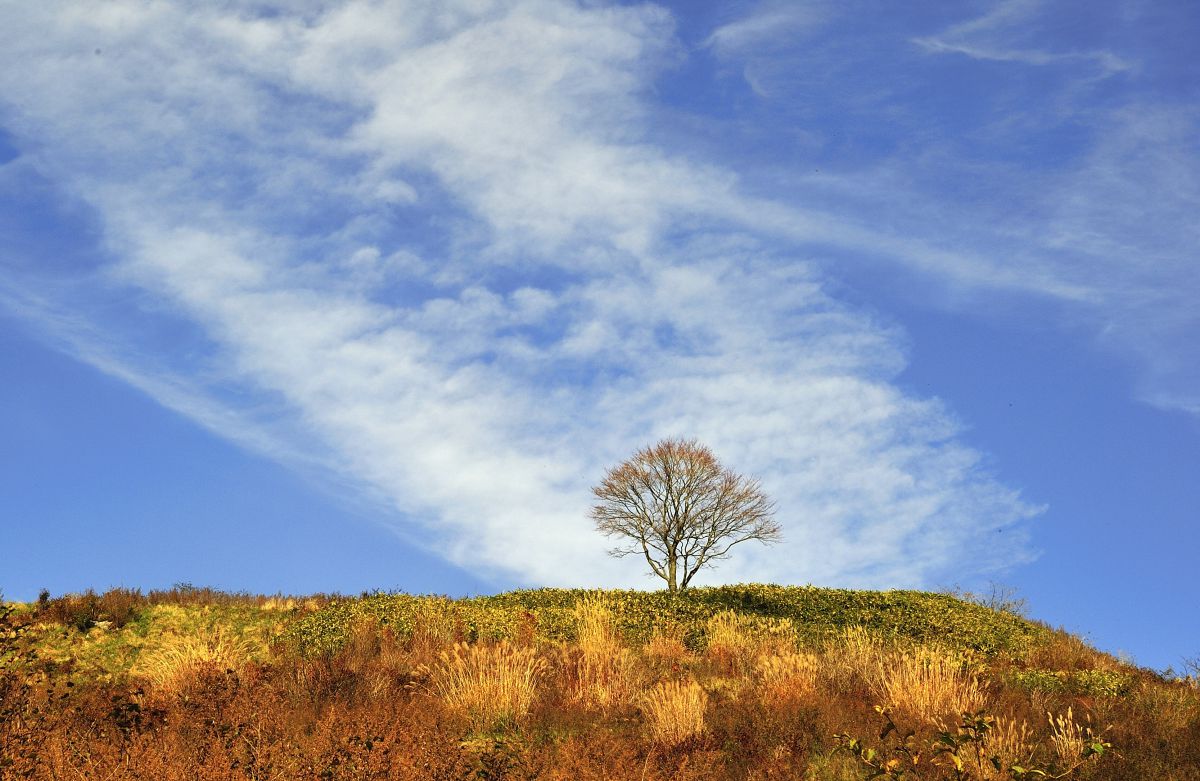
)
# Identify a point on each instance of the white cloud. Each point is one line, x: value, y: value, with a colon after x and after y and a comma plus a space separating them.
x: 434, y: 236
x: 767, y: 24
x: 760, y: 40
x: 994, y: 36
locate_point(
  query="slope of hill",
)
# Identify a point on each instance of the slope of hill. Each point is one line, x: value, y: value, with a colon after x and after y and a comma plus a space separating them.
x: 751, y: 681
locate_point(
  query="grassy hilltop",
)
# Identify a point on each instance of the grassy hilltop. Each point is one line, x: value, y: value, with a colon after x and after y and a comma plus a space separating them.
x: 737, y: 682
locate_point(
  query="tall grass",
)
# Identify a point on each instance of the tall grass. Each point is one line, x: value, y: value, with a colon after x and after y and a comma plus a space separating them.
x: 852, y: 660
x: 674, y: 711
x: 1069, y: 738
x: 1011, y: 742
x: 494, y: 685
x: 180, y: 657
x: 730, y: 641
x: 788, y: 678
x: 929, y: 683
x: 707, y: 698
x: 605, y: 671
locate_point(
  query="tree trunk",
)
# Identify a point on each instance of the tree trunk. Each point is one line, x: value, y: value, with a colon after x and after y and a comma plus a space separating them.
x: 671, y: 580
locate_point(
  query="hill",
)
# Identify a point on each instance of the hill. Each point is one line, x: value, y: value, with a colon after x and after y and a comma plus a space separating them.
x: 749, y: 681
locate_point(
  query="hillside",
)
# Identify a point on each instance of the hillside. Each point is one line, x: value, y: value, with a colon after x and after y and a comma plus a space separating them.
x: 752, y: 681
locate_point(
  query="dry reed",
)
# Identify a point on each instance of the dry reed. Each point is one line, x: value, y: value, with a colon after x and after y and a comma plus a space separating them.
x: 852, y: 659
x: 787, y: 678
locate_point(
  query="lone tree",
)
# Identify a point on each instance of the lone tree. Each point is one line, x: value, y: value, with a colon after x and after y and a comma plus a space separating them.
x: 677, y: 506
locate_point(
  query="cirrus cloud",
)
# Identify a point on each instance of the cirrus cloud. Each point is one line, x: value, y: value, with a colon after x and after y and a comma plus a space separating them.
x: 435, y: 248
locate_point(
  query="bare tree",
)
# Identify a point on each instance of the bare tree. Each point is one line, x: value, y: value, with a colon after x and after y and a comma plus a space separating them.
x: 677, y: 506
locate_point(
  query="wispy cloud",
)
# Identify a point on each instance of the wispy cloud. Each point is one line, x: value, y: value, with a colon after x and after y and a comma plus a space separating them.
x: 437, y: 241
x: 759, y: 40
x: 995, y: 36
x: 767, y: 24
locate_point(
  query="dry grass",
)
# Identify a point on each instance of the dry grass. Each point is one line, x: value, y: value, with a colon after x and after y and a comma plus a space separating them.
x: 435, y: 628
x: 1011, y: 742
x: 730, y: 640
x: 369, y: 711
x: 787, y: 678
x: 674, y: 711
x: 1172, y: 707
x: 666, y: 648
x: 605, y: 671
x: 928, y: 683
x: 279, y: 604
x: 1064, y: 651
x: 180, y: 657
x: 852, y: 659
x: 493, y: 685
x: 1068, y: 738
x: 836, y: 766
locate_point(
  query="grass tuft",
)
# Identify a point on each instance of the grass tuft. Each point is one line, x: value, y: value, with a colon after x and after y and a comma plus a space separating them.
x: 180, y: 657
x: 493, y: 685
x: 674, y: 711
x: 605, y: 670
x: 929, y: 683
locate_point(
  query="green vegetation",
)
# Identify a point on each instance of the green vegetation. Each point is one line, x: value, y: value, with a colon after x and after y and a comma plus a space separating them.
x: 809, y: 614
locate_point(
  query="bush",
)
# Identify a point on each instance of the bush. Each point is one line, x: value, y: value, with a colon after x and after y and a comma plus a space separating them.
x: 114, y: 608
x: 794, y: 614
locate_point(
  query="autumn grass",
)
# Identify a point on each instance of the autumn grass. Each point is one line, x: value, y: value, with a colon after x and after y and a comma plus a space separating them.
x: 788, y: 678
x: 674, y: 711
x: 928, y: 683
x: 1068, y: 737
x: 606, y: 673
x: 494, y: 686
x: 724, y: 684
x: 853, y: 660
x: 180, y: 657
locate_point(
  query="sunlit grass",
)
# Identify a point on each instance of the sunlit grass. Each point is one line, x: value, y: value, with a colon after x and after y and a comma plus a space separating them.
x: 494, y: 685
x: 180, y: 656
x: 929, y: 683
x: 674, y: 711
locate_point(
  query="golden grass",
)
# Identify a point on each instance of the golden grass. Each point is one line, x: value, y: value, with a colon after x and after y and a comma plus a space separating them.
x: 787, y: 678
x: 929, y: 683
x: 735, y: 641
x: 674, y: 711
x: 834, y: 766
x: 666, y: 649
x: 435, y: 627
x: 181, y: 655
x: 595, y: 631
x: 493, y: 685
x: 279, y: 604
x: 1009, y: 742
x: 1172, y: 707
x: 1062, y: 650
x: 852, y: 659
x: 729, y: 635
x: 606, y: 673
x: 1068, y: 738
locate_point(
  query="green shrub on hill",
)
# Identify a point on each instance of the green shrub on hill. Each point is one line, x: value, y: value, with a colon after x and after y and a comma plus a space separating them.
x: 810, y: 614
x: 1096, y: 683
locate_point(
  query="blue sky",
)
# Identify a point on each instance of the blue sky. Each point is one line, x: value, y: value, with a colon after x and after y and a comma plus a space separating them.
x: 344, y: 296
